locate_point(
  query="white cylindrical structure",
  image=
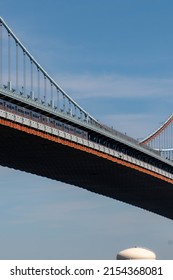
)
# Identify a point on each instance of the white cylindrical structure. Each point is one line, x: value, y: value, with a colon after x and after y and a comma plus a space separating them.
x: 136, y: 253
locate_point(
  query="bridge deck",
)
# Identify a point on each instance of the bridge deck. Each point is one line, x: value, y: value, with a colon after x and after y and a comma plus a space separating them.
x: 62, y: 162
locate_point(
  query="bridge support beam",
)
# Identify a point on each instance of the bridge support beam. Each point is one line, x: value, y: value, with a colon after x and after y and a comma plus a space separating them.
x: 63, y: 161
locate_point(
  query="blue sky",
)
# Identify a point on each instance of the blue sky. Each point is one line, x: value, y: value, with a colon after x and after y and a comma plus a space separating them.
x: 115, y: 58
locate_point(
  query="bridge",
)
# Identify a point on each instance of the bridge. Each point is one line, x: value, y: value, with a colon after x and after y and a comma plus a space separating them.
x: 45, y: 132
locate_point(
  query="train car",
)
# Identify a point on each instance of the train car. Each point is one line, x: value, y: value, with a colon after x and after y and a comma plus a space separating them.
x: 59, y: 125
x: 16, y: 109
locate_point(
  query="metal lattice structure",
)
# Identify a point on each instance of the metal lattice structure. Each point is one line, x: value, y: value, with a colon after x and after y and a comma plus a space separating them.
x: 23, y: 75
x: 162, y: 139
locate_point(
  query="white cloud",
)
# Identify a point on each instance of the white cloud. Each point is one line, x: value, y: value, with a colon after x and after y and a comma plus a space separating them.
x: 88, y: 86
x: 134, y: 125
x: 153, y: 92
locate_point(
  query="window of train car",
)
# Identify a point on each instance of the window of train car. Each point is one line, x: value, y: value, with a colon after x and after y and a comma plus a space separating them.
x: 66, y: 127
x: 35, y: 115
x: 71, y: 129
x: 52, y: 121
x: 78, y: 131
x: 27, y: 113
x: 20, y: 110
x: 43, y: 118
x: 85, y: 134
x: 10, y: 106
x: 59, y: 124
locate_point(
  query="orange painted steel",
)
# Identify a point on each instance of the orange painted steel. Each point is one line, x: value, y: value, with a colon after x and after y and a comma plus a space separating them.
x: 159, y: 131
x: 81, y: 147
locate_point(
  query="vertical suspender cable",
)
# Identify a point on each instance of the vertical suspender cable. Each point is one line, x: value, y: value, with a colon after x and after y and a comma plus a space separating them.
x: 38, y: 83
x: 153, y: 141
x: 32, y: 93
x: 161, y: 140
x: 164, y: 137
x: 9, y: 58
x: 57, y: 99
x: 165, y: 140
x: 63, y: 103
x: 52, y: 101
x: 171, y: 142
x: 45, y: 90
x: 75, y: 109
x: 70, y: 109
x: 169, y: 138
x: 17, y: 65
x: 24, y: 73
x: 160, y: 147
x: 1, y: 53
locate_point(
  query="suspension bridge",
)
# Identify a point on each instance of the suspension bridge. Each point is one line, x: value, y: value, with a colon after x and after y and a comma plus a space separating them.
x: 44, y: 131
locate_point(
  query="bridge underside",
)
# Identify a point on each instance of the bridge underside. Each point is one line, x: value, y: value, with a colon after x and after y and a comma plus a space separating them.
x: 33, y: 154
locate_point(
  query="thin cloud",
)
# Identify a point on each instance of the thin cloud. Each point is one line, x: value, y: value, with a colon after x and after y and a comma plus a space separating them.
x: 135, y: 125
x: 148, y: 91
x: 87, y: 86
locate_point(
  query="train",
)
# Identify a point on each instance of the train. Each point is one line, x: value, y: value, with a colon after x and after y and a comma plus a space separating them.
x: 24, y: 112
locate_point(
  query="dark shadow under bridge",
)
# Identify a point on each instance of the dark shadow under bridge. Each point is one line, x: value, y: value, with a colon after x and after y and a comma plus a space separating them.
x: 61, y: 160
